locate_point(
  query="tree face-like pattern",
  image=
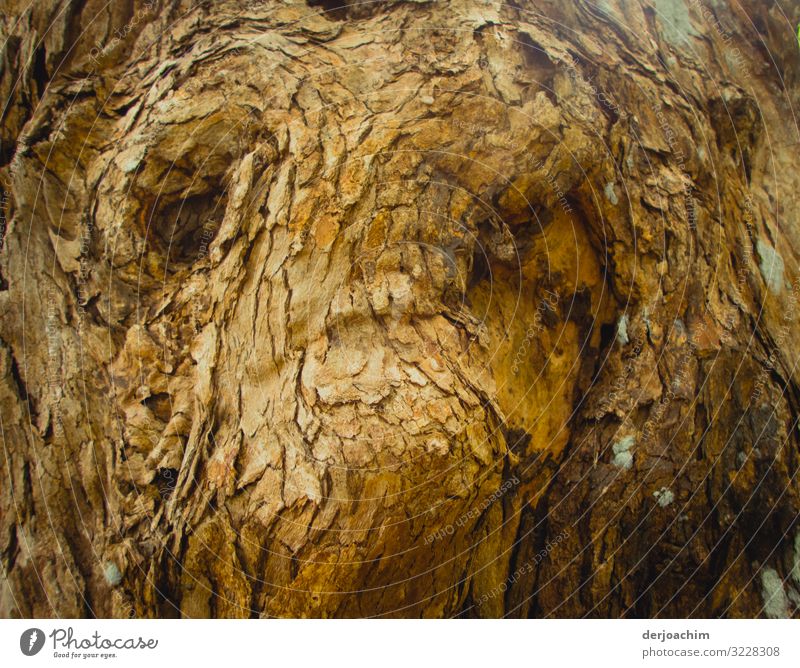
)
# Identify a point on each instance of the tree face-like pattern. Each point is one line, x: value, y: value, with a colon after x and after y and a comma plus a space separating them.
x: 411, y: 309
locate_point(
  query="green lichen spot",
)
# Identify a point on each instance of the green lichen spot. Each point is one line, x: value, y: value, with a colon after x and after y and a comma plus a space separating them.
x: 112, y: 574
x: 771, y: 266
x: 676, y: 26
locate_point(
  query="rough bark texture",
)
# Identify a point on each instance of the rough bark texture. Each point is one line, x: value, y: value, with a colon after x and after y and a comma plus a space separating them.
x: 407, y: 308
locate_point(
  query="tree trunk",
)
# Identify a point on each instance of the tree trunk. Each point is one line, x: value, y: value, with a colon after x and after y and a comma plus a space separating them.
x: 406, y: 309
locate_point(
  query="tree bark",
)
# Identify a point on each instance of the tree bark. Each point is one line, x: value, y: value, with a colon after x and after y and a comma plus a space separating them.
x: 399, y: 309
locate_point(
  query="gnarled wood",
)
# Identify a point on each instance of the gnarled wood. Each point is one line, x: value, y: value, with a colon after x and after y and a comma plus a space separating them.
x: 406, y: 308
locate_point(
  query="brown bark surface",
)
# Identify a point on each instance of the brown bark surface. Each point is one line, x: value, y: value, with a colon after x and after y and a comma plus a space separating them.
x: 406, y: 308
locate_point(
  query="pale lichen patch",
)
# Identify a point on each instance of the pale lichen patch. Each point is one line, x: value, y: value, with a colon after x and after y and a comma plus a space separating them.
x: 776, y: 604
x: 111, y: 573
x: 622, y: 330
x: 664, y: 496
x: 623, y: 458
x: 610, y: 194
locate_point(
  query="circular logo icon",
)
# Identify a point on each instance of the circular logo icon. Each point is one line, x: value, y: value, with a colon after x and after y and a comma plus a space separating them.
x: 31, y: 641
